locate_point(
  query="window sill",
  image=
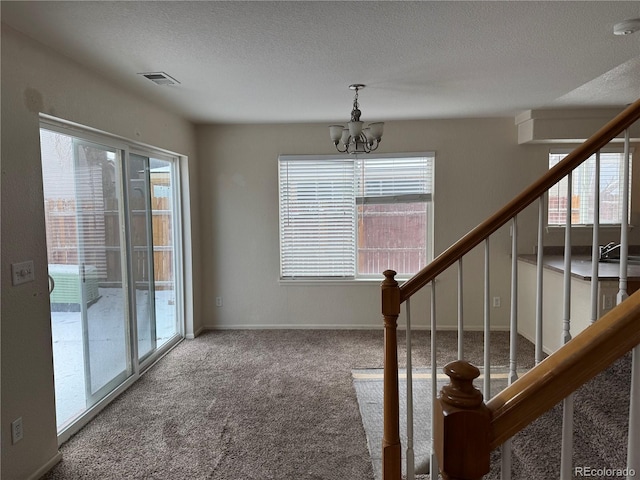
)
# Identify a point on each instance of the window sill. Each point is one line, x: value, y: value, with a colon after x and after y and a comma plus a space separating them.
x: 285, y: 282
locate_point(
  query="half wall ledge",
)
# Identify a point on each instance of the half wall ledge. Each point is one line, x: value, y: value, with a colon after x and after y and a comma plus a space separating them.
x: 566, y: 125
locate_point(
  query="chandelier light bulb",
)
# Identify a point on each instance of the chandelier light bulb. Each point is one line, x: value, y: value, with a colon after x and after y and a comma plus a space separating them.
x: 335, y: 132
x: 344, y: 139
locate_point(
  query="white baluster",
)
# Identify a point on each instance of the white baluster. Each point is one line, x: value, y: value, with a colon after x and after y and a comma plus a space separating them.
x: 505, y: 460
x: 539, y: 276
x: 633, y: 445
x: 505, y: 472
x: 513, y: 332
x: 624, y: 223
x: 566, y: 453
x: 460, y: 314
x: 566, y: 314
x: 487, y: 325
x: 595, y: 242
x: 410, y: 453
x: 433, y: 464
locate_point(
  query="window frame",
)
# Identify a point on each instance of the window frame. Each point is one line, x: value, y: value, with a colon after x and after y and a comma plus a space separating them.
x: 566, y: 151
x: 362, y: 279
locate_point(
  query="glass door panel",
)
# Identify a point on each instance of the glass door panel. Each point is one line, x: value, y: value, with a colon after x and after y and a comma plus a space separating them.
x: 161, y: 179
x: 142, y: 253
x: 151, y: 217
x: 100, y: 247
x: 67, y: 326
x: 89, y: 314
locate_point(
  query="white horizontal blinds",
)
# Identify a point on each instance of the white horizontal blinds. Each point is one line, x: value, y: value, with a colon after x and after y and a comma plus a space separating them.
x: 611, y: 180
x: 393, y: 196
x: 98, y: 209
x: 385, y: 180
x: 59, y: 199
x: 317, y: 224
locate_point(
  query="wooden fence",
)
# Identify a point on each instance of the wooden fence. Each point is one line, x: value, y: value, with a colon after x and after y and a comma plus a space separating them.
x: 101, y: 227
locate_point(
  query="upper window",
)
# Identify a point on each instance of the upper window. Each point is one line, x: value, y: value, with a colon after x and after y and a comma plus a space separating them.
x: 345, y: 217
x: 582, y: 191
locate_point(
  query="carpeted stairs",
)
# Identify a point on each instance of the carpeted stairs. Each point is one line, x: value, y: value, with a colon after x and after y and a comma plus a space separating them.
x: 600, y: 433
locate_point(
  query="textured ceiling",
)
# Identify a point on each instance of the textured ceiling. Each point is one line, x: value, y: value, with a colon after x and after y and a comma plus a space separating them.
x: 293, y: 61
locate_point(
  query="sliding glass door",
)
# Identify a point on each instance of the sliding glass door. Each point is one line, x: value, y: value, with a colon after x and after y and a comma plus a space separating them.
x: 112, y: 230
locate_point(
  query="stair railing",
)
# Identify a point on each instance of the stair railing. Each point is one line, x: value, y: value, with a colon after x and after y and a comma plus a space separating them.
x: 467, y: 432
x: 393, y: 295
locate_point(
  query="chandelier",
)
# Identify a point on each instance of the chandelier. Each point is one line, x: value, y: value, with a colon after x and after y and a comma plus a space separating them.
x: 355, y: 138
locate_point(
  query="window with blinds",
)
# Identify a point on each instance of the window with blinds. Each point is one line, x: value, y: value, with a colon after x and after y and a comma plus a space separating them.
x: 344, y: 218
x: 582, y: 191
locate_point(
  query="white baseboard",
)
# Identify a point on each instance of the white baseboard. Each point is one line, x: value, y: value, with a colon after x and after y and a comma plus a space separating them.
x: 478, y: 328
x: 292, y: 327
x: 191, y: 336
x: 46, y: 467
x: 546, y: 350
x: 454, y: 328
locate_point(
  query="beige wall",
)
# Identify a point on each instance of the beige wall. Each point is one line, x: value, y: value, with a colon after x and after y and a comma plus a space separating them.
x: 34, y: 80
x: 478, y: 167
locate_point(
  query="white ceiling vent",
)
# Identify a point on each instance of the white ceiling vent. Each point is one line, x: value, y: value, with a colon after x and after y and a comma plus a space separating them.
x: 160, y: 78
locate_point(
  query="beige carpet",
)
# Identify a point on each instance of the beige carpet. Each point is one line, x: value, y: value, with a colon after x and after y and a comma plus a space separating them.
x: 243, y: 405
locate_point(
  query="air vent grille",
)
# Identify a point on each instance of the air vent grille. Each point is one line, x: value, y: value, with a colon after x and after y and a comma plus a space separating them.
x: 160, y: 78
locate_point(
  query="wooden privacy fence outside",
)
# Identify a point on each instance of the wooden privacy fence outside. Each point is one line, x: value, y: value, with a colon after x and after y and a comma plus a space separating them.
x: 103, y: 248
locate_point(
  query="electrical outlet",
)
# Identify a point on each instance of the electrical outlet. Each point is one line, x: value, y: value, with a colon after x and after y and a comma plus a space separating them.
x: 22, y: 272
x: 607, y: 302
x: 496, y: 302
x: 16, y: 430
x: 218, y: 301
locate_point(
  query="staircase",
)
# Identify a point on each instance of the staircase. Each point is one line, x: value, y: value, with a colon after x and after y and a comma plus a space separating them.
x: 554, y: 421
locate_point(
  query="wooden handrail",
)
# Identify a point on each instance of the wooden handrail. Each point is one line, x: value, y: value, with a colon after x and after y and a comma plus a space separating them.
x: 563, y: 372
x: 451, y: 255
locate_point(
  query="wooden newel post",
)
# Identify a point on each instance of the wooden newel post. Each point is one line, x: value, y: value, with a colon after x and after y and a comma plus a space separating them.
x: 462, y: 425
x: 391, y: 453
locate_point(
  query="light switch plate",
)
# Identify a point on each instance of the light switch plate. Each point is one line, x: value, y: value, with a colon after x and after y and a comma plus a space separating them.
x: 22, y: 272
